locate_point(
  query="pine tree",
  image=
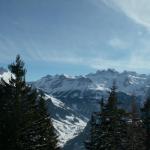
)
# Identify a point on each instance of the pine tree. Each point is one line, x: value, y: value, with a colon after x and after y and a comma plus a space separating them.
x: 115, y: 128
x: 12, y: 97
x: 21, y: 127
x: 101, y: 132
x: 47, y: 139
x: 135, y: 128
x: 146, y: 122
x: 111, y: 130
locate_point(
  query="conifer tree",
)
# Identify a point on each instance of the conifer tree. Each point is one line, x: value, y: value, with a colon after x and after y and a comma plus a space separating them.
x: 135, y: 128
x: 47, y: 139
x: 115, y: 129
x: 146, y: 122
x: 21, y: 127
x: 21, y: 106
x: 111, y: 130
x: 12, y: 97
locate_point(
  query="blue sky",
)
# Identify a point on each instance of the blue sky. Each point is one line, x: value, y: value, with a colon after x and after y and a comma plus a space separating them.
x: 75, y: 36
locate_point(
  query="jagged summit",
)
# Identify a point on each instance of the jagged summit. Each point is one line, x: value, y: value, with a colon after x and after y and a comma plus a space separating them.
x: 114, y: 71
x: 110, y: 70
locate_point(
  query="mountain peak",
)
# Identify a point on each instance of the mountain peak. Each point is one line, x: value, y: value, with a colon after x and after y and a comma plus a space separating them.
x: 109, y: 70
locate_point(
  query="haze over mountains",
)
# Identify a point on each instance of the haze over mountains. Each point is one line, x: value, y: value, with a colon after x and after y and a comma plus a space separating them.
x: 72, y: 99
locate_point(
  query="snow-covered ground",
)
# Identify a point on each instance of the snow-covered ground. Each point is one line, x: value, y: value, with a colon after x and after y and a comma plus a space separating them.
x: 68, y: 130
x: 68, y: 126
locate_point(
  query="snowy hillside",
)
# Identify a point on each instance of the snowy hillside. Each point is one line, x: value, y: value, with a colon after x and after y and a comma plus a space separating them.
x: 67, y: 122
x: 61, y: 83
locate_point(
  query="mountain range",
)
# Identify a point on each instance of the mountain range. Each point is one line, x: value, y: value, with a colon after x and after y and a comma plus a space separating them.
x: 72, y: 99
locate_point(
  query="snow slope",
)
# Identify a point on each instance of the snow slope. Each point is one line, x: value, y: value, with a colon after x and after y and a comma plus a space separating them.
x: 67, y: 122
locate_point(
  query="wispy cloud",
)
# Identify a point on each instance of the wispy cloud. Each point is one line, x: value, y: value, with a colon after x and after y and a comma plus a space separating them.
x: 138, y: 58
x: 102, y: 40
x: 137, y: 10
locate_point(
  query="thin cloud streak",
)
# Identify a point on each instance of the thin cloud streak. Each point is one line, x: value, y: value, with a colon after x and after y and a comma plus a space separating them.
x: 107, y: 39
x: 138, y: 11
x: 136, y: 60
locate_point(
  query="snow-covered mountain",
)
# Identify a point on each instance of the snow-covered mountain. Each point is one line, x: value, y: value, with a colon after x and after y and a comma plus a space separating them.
x: 82, y: 93
x: 72, y: 99
x: 128, y: 82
